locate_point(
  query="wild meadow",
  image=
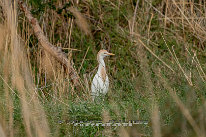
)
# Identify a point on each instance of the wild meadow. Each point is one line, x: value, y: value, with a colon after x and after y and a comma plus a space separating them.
x: 157, y: 74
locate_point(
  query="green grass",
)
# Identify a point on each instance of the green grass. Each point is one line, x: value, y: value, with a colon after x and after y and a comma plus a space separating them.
x: 136, y: 76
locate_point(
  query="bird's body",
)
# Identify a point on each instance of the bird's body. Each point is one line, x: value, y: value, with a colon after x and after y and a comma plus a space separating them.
x: 100, y: 83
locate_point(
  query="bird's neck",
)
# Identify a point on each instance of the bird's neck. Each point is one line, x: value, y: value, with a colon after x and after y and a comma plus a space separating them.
x: 101, y: 64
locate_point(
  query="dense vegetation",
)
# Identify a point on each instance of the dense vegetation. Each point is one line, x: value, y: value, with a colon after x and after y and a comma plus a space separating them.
x: 157, y: 73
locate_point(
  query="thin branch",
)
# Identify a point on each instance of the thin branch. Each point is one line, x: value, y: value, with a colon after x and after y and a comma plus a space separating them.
x: 51, y: 49
x: 134, y: 17
x: 153, y: 54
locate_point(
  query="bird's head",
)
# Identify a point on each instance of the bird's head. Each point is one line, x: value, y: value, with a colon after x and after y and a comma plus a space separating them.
x: 103, y: 53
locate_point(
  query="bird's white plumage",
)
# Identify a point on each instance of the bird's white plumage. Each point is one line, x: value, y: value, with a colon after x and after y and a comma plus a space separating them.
x: 98, y: 86
x: 100, y: 82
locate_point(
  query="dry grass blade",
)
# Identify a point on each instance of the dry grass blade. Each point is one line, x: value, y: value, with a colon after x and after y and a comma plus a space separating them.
x: 181, y: 106
x: 165, y: 17
x: 2, y: 134
x: 106, y: 117
x: 178, y: 63
x: 134, y: 18
x: 183, y: 15
x: 199, y: 67
x: 48, y: 65
x: 83, y: 60
x: 81, y: 21
x: 154, y: 54
x: 188, y: 78
x: 19, y: 77
x: 156, y: 122
x: 186, y: 112
x: 123, y: 132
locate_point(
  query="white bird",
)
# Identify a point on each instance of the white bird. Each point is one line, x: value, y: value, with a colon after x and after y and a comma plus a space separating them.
x: 100, y: 82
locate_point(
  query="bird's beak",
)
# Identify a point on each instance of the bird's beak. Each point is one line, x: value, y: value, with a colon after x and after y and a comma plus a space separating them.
x: 111, y: 54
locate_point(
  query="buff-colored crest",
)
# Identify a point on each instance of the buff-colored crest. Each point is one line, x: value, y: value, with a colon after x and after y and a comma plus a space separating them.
x: 99, y: 53
x: 103, y: 51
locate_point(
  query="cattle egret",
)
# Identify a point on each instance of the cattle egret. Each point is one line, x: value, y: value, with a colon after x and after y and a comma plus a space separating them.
x: 100, y: 83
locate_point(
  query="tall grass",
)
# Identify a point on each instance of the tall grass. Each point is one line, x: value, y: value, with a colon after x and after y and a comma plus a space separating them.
x: 18, y: 82
x: 158, y: 73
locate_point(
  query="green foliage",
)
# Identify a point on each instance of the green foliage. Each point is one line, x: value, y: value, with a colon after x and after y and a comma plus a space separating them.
x: 135, y: 84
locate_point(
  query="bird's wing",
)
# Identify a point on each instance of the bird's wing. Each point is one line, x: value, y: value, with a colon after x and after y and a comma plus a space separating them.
x: 107, y: 82
x: 94, y: 85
